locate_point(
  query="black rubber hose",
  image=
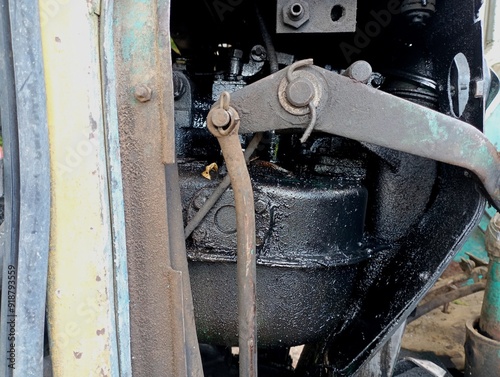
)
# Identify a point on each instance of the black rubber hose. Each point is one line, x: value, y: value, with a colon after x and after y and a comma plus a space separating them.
x: 271, y: 52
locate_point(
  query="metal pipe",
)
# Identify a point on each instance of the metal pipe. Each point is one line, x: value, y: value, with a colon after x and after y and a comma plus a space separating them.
x: 268, y: 42
x: 482, y: 354
x: 227, y: 136
x: 221, y: 189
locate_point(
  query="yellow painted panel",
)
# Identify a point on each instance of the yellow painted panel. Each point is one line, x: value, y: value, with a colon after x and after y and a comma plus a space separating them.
x: 81, y: 326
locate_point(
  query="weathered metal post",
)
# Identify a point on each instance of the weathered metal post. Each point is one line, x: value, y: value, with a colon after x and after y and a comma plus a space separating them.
x: 482, y: 345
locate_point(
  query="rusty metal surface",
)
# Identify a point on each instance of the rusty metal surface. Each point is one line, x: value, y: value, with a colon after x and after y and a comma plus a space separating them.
x: 179, y: 263
x: 482, y: 354
x: 245, y: 225
x: 142, y: 59
x: 356, y: 111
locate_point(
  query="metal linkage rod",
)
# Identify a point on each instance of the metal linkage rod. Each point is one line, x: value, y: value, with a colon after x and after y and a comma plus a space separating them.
x: 223, y: 122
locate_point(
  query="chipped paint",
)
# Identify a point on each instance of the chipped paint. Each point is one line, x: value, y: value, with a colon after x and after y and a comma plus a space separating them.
x: 81, y: 247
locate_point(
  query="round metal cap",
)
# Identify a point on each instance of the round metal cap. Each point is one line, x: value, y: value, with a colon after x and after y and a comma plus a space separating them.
x: 299, y: 92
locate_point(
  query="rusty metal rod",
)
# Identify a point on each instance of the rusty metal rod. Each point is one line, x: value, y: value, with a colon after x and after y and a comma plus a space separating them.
x: 227, y: 136
x: 445, y: 298
x: 221, y: 189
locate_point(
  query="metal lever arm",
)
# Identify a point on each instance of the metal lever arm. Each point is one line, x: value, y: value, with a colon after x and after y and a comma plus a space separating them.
x: 223, y: 123
x: 354, y: 110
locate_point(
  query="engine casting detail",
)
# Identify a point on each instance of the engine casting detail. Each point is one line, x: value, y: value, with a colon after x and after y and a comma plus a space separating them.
x: 357, y: 163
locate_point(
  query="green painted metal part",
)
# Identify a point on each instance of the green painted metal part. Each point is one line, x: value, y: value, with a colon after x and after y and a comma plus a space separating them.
x: 490, y: 312
x: 489, y: 322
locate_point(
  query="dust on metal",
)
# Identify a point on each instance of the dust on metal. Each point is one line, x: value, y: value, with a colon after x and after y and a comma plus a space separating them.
x: 365, y: 114
x: 143, y: 93
x: 229, y: 141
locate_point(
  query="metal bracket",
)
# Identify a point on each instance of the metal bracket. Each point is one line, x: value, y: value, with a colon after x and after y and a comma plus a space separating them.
x: 316, y: 16
x: 356, y: 111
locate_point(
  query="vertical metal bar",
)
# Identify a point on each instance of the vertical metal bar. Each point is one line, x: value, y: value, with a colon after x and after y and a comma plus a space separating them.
x: 117, y: 210
x: 143, y: 71
x: 8, y: 120
x: 245, y: 227
x: 34, y: 223
x: 489, y: 322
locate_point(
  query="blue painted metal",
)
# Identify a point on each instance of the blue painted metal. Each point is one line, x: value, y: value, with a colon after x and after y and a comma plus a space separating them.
x: 116, y: 191
x: 29, y: 277
x: 8, y: 119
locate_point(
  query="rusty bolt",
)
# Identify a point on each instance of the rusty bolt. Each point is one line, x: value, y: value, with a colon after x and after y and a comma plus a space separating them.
x: 220, y: 117
x: 296, y: 14
x: 299, y: 92
x: 258, y: 53
x: 260, y: 206
x: 143, y: 93
x: 199, y: 200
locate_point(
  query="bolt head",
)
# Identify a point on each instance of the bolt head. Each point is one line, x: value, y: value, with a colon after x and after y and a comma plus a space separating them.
x: 258, y: 53
x: 220, y: 117
x: 143, y: 93
x: 299, y: 92
x: 260, y: 206
x: 296, y: 14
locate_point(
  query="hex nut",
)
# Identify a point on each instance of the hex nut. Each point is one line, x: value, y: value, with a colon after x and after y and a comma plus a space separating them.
x: 143, y: 93
x: 296, y: 14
